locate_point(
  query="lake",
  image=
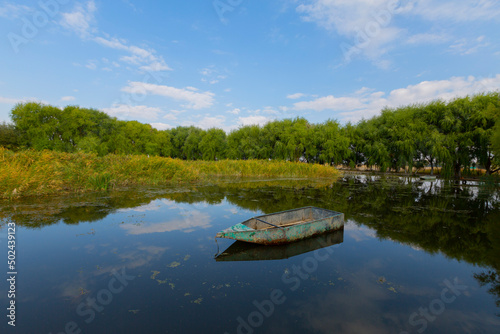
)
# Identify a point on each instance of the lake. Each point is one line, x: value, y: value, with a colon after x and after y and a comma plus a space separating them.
x: 414, y: 256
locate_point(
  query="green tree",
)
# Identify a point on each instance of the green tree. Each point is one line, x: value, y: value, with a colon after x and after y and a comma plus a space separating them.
x: 191, y: 146
x: 213, y: 144
x: 38, y: 125
x: 9, y: 136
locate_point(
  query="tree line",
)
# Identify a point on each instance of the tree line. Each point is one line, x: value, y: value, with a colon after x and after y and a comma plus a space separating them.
x: 457, y: 136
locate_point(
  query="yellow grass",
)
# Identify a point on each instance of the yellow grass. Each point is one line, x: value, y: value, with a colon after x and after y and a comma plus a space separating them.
x: 31, y: 172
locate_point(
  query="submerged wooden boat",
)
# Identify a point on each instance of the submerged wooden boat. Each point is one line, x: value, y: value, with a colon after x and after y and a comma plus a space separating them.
x: 245, y: 251
x: 284, y: 227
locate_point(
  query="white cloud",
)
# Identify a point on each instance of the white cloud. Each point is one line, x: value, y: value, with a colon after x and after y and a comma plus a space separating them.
x: 134, y: 112
x: 170, y: 117
x: 212, y: 75
x: 91, y: 65
x: 253, y: 120
x: 270, y: 111
x: 330, y: 102
x: 161, y: 126
x: 371, y: 29
x: 367, y: 23
x: 146, y: 59
x: 7, y: 100
x: 156, y: 66
x: 208, y: 122
x: 234, y: 111
x: 367, y: 103
x: 295, y: 96
x: 68, y: 98
x: 427, y: 38
x: 11, y: 11
x: 195, y: 100
x: 80, y: 19
x: 457, y: 10
x: 466, y: 47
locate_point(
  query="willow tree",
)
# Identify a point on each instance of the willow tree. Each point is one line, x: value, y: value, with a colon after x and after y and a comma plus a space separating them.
x: 213, y: 144
x: 245, y: 143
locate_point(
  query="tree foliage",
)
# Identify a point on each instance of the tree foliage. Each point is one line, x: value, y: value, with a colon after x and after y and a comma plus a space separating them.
x: 458, y: 136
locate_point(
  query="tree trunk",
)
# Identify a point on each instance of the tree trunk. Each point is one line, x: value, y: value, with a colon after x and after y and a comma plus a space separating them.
x: 458, y: 172
x: 488, y: 166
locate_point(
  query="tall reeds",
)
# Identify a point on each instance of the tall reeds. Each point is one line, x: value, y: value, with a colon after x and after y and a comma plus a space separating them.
x: 32, y: 172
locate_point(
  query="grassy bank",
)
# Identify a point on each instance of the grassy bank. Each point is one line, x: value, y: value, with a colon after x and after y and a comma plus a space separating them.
x: 30, y: 172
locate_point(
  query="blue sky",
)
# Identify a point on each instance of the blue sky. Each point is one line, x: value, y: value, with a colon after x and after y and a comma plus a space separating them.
x: 228, y: 63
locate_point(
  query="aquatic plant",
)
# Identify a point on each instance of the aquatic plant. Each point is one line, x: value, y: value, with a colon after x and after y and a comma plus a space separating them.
x: 32, y: 172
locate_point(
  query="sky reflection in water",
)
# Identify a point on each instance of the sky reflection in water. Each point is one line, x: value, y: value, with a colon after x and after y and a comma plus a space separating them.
x: 403, y: 242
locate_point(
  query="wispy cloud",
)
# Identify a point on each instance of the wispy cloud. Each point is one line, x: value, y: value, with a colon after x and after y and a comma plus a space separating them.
x: 295, y: 96
x: 466, y: 46
x: 13, y: 11
x: 367, y: 23
x: 371, y: 28
x: 80, y: 19
x: 427, y: 38
x: 212, y: 75
x: 457, y: 10
x: 367, y: 103
x: 146, y: 59
x: 68, y: 98
x: 234, y: 111
x: 194, y: 99
x: 8, y: 100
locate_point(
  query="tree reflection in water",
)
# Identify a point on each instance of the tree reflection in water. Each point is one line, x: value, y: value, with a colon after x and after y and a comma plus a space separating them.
x: 460, y: 221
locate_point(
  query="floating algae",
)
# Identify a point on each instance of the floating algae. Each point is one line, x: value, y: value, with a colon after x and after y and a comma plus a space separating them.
x: 174, y: 264
x: 187, y: 257
x: 198, y: 301
x: 155, y: 273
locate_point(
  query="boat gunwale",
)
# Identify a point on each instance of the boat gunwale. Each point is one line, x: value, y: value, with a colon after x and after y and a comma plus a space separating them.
x: 336, y: 213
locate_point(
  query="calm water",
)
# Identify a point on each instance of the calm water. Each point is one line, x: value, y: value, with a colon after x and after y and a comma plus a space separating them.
x: 413, y: 257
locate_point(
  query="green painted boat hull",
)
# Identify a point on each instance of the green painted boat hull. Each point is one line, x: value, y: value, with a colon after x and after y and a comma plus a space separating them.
x: 261, y: 230
x: 244, y: 251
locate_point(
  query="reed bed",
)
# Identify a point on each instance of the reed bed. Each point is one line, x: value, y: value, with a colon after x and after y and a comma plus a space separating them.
x: 27, y: 173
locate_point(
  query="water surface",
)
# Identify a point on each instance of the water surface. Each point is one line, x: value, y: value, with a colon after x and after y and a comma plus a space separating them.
x: 413, y: 257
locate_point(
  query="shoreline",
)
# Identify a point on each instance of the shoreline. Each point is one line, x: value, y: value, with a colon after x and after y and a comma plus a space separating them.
x: 45, y: 173
x: 415, y: 174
